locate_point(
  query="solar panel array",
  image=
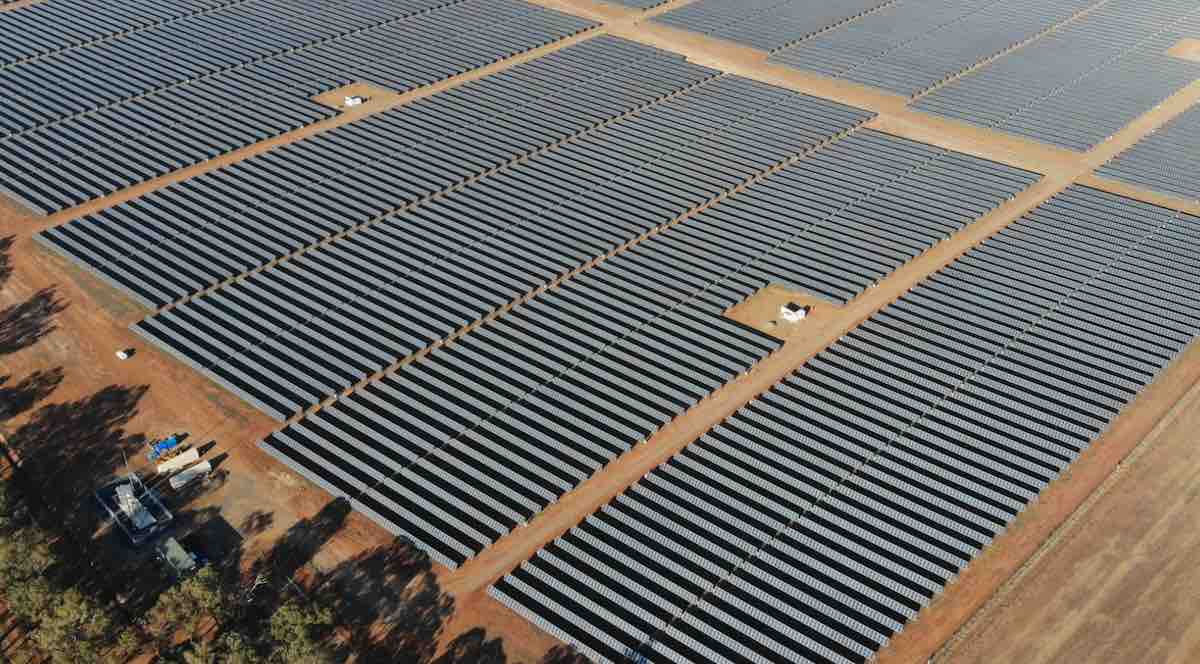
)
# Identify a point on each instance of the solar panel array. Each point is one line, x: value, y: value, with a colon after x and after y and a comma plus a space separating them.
x: 48, y: 27
x: 194, y: 89
x: 1167, y: 161
x: 764, y: 24
x: 820, y: 518
x: 600, y: 363
x: 288, y: 337
x: 640, y: 4
x: 217, y: 225
x: 1080, y: 84
x: 912, y: 45
x: 841, y: 220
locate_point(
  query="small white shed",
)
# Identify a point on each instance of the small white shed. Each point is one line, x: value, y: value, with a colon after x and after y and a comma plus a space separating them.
x: 792, y: 312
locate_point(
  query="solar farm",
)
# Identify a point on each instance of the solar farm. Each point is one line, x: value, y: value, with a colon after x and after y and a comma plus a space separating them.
x: 668, y: 330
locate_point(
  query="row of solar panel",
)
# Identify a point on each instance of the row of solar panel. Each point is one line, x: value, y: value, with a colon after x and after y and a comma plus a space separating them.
x: 48, y: 27
x: 1083, y: 82
x: 765, y: 24
x: 241, y: 104
x: 835, y: 507
x: 84, y: 79
x: 64, y: 165
x: 635, y: 305
x: 1166, y: 161
x: 838, y: 222
x: 217, y: 225
x: 497, y: 426
x: 910, y: 46
x: 640, y: 4
x: 446, y: 264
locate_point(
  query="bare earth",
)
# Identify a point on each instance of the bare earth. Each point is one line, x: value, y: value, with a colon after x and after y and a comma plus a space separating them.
x: 1188, y: 49
x: 761, y: 311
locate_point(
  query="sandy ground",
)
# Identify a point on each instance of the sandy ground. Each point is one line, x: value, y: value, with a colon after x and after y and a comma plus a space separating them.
x: 1188, y: 49
x: 761, y: 311
x: 19, y: 4
x: 376, y: 98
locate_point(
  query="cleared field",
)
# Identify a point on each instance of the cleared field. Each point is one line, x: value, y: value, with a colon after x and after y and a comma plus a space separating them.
x: 856, y: 489
x: 1079, y: 84
x: 1167, y: 160
x: 158, y: 106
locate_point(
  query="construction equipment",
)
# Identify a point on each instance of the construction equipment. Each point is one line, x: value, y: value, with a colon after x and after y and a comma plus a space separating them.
x: 164, y: 449
x: 134, y: 508
x: 178, y: 559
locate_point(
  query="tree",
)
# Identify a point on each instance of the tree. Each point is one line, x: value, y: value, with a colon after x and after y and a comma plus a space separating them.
x: 201, y: 652
x: 25, y: 556
x: 237, y: 649
x: 30, y: 600
x: 187, y: 605
x: 12, y: 508
x: 128, y: 644
x: 75, y: 631
x: 294, y: 631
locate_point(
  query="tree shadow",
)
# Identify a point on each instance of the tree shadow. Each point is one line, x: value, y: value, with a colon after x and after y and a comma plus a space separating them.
x: 68, y: 449
x: 6, y: 258
x: 473, y: 647
x: 22, y: 325
x: 390, y: 603
x: 20, y: 397
x: 563, y: 654
x: 257, y: 522
x: 297, y: 547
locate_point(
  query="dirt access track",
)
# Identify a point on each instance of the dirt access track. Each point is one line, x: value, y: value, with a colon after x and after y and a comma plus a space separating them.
x: 60, y: 328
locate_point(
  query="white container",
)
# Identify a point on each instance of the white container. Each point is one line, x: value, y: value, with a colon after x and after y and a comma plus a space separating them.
x: 195, y: 472
x: 175, y: 463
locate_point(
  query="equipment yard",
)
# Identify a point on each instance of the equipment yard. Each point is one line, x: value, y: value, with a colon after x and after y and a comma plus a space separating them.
x: 626, y: 331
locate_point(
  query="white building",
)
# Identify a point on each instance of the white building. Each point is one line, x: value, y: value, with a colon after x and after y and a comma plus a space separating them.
x: 792, y: 312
